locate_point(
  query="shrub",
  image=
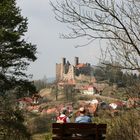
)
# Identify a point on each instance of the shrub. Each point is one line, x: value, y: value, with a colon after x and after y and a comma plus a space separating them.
x: 124, y: 127
x: 40, y: 124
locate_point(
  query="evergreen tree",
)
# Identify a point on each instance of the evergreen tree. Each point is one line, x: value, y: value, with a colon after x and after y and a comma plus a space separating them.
x: 15, y: 55
x: 15, y: 52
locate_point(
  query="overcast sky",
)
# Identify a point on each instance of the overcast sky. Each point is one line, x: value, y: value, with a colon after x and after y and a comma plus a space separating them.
x: 44, y: 30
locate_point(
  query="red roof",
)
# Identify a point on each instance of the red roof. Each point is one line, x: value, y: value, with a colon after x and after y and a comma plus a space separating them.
x: 26, y: 99
x: 71, y: 82
x: 80, y: 65
x: 87, y: 87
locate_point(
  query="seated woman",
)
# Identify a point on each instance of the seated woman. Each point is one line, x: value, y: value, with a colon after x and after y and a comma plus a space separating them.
x: 63, y: 118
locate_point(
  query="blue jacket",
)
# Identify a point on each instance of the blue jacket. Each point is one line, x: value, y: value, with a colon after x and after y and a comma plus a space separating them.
x: 83, y: 119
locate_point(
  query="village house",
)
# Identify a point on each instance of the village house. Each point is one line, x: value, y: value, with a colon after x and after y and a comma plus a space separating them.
x: 89, y: 89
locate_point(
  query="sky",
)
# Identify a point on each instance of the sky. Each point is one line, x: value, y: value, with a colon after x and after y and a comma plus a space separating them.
x: 44, y: 31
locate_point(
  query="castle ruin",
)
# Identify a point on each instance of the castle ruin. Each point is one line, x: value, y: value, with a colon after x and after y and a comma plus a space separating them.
x: 79, y: 71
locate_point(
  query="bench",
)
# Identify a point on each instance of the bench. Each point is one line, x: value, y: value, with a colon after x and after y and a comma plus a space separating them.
x: 78, y: 131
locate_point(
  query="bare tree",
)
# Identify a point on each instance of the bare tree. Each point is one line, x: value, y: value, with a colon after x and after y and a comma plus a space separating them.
x: 116, y: 22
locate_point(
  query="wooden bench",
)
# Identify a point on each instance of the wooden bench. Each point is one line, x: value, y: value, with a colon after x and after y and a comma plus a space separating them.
x: 78, y: 131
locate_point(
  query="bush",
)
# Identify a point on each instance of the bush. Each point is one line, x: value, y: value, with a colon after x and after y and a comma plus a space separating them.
x: 125, y: 127
x: 40, y: 124
x: 12, y: 121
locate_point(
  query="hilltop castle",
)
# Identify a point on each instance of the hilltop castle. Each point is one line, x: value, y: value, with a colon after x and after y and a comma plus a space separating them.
x: 79, y: 71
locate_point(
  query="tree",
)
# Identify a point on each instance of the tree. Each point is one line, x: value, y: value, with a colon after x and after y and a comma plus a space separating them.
x: 11, y: 122
x: 40, y: 84
x: 116, y: 22
x: 15, y: 56
x: 15, y: 53
x: 55, y: 90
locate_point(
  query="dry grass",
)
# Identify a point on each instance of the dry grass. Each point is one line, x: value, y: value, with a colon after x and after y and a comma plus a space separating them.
x: 39, y: 136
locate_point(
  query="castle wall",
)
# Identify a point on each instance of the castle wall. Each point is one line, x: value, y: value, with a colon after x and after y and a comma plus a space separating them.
x: 66, y: 71
x: 58, y: 71
x: 70, y: 73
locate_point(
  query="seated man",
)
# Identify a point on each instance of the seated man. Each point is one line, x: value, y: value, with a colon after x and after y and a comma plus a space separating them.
x: 83, y: 118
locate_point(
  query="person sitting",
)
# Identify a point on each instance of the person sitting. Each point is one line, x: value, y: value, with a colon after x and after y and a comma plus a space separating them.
x: 63, y: 118
x: 83, y: 118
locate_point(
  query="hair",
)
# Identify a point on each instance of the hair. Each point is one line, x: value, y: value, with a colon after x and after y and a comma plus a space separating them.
x: 63, y: 111
x: 82, y: 110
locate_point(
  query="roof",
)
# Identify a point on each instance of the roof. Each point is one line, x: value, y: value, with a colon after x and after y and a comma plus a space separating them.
x: 87, y: 87
x: 26, y: 99
x: 80, y: 65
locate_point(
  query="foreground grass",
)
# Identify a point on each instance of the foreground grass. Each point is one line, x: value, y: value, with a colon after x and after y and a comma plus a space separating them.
x: 42, y: 136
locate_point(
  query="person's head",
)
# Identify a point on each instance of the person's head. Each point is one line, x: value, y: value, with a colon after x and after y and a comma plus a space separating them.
x: 64, y: 111
x: 82, y: 110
